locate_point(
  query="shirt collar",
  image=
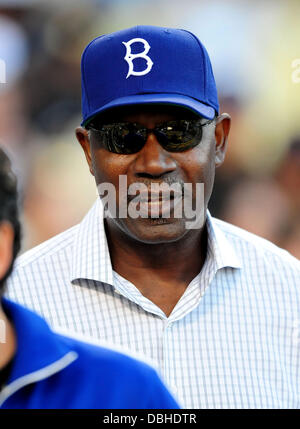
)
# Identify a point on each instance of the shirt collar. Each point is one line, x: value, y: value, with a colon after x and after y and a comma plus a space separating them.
x: 220, y: 249
x: 91, y: 258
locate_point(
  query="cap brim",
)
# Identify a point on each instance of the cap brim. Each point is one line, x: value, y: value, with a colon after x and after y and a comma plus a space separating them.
x: 172, y: 99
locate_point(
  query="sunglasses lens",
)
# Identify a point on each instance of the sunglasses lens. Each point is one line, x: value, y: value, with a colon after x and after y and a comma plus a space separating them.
x: 133, y: 142
x: 123, y: 139
x: 178, y: 136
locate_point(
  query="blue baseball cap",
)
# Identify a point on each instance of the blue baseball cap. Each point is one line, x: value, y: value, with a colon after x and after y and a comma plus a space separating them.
x: 144, y: 65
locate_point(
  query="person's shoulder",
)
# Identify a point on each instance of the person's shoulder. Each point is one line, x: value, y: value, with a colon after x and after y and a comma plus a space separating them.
x: 47, y: 249
x: 91, y: 351
x: 247, y: 244
x: 126, y: 380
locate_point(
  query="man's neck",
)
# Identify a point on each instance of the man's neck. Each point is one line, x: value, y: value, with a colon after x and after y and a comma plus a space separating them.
x: 7, y: 339
x: 161, y: 271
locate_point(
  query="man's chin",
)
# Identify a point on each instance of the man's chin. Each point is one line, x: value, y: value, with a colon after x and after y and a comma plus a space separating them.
x: 154, y: 230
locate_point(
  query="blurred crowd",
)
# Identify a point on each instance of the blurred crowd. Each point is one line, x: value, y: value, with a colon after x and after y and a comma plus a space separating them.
x: 252, y: 45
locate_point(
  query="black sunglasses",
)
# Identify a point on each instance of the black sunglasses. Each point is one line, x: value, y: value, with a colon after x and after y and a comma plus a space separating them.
x: 128, y: 138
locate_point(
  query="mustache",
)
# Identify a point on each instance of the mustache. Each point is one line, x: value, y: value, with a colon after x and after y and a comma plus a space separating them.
x: 155, y: 188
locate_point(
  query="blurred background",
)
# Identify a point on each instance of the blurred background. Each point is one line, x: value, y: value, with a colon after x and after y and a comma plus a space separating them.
x: 255, y: 51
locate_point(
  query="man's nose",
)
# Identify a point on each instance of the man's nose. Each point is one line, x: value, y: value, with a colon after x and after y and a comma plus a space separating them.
x: 153, y: 159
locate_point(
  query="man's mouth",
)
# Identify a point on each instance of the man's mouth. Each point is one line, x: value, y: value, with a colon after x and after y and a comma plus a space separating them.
x: 153, y: 198
x: 156, y: 204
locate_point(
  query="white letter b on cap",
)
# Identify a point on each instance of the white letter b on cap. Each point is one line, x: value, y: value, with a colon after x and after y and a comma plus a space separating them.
x: 129, y: 57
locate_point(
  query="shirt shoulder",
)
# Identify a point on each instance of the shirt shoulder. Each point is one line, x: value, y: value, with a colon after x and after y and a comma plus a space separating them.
x: 47, y: 249
x: 249, y: 245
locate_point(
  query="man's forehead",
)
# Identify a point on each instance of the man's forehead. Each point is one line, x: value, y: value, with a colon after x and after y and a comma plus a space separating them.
x: 164, y: 111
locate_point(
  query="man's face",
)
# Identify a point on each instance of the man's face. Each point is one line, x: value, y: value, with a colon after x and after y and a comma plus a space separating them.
x: 154, y: 164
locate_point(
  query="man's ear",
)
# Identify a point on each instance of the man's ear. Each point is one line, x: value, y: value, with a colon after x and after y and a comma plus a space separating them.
x: 221, y: 135
x: 84, y: 141
x: 6, y: 247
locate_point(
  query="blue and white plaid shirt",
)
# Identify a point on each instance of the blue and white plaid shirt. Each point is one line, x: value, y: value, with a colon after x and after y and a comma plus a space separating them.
x: 232, y: 340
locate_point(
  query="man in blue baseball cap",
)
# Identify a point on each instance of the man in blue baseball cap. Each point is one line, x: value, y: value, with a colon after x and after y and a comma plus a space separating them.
x: 148, y: 99
x: 149, y: 267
